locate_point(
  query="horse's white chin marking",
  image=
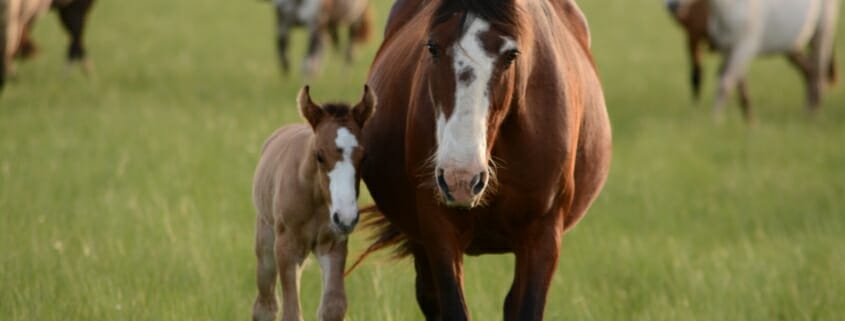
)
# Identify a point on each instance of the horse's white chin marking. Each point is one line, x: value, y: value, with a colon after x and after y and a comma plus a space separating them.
x: 342, y: 180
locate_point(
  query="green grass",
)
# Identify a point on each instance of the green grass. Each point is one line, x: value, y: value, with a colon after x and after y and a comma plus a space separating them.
x: 127, y: 196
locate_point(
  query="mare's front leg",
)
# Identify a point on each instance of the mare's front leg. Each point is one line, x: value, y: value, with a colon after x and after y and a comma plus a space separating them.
x: 265, y: 307
x: 444, y: 251
x: 536, y: 261
x: 290, y: 254
x: 332, y: 258
x: 426, y: 291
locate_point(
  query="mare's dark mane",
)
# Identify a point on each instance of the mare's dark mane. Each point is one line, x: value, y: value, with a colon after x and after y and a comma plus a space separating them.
x: 496, y: 12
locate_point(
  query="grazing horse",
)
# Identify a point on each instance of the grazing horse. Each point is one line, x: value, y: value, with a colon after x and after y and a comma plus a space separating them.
x: 21, y: 17
x: 744, y: 29
x: 492, y: 136
x: 320, y: 17
x: 305, y: 194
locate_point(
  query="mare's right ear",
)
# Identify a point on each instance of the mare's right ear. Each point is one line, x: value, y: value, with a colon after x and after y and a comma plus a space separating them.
x: 307, y: 108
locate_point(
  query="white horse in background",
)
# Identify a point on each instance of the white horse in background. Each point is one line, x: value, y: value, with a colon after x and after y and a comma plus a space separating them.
x: 744, y: 29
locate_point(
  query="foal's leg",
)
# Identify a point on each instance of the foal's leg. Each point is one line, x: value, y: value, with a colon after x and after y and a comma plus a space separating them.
x: 266, y: 307
x: 332, y: 262
x: 73, y: 18
x: 536, y: 261
x: 290, y: 254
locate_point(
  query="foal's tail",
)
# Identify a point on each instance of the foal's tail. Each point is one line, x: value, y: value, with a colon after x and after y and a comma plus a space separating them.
x: 363, y: 28
x: 386, y: 235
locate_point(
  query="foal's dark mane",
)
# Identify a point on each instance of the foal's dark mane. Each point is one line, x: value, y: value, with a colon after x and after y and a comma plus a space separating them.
x: 496, y: 12
x: 337, y: 110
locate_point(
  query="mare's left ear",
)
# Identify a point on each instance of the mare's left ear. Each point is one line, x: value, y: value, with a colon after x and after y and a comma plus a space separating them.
x: 364, y: 109
x: 307, y: 108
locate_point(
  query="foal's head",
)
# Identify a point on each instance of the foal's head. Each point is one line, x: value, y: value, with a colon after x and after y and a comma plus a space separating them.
x: 473, y: 51
x: 337, y: 153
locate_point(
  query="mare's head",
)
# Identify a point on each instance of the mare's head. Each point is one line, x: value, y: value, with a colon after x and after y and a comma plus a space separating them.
x: 472, y: 58
x: 337, y: 152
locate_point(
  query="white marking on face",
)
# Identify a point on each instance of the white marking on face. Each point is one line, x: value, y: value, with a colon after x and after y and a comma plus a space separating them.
x: 344, y: 200
x: 462, y: 138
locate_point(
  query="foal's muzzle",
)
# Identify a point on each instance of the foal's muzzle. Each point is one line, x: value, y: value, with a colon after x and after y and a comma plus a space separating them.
x: 344, y: 226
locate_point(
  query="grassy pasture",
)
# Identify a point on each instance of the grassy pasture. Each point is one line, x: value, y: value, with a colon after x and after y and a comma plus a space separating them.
x: 126, y: 196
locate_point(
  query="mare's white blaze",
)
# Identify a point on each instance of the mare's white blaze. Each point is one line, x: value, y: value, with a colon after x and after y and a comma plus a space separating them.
x: 342, y: 179
x: 462, y: 139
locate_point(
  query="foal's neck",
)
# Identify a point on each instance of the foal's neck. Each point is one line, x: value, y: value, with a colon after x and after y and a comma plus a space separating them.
x: 309, y: 173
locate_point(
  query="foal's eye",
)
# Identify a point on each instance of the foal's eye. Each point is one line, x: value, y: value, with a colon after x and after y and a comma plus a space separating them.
x: 432, y: 48
x: 510, y: 56
x: 319, y: 157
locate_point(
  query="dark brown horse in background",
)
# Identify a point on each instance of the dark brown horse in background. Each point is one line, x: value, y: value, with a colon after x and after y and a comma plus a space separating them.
x: 492, y: 137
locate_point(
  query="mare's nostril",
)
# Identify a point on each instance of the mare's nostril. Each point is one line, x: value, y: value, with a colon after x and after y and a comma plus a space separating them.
x: 478, y: 183
x: 441, y: 182
x: 336, y: 219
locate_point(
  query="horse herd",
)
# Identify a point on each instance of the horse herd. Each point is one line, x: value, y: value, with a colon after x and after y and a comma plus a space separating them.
x: 482, y: 128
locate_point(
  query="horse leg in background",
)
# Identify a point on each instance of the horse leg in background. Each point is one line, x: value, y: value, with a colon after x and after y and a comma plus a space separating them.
x: 14, y: 27
x: 4, y: 9
x: 332, y: 258
x: 822, y: 50
x: 266, y: 307
x: 359, y: 32
x: 290, y: 254
x: 283, y: 27
x: 536, y: 261
x: 311, y: 65
x: 694, y: 48
x: 733, y: 69
x: 27, y: 48
x: 805, y: 67
x: 73, y: 16
x: 426, y: 292
x: 744, y: 101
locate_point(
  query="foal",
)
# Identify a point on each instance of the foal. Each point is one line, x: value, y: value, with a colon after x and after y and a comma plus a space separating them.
x: 305, y: 193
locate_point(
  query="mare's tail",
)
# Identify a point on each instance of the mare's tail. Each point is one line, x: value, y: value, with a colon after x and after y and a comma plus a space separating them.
x: 386, y: 235
x: 363, y: 28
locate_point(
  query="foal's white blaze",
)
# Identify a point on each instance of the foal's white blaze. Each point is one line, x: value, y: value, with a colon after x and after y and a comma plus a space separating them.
x: 462, y: 138
x: 342, y: 179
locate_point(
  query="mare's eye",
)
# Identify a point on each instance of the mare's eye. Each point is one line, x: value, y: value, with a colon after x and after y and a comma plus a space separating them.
x: 510, y: 56
x: 319, y: 157
x: 432, y: 48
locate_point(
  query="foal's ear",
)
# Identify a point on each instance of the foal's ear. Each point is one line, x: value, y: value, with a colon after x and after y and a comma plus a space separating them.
x: 307, y: 108
x: 364, y: 109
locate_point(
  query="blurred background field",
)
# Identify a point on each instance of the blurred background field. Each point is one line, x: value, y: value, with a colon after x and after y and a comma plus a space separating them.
x: 126, y: 196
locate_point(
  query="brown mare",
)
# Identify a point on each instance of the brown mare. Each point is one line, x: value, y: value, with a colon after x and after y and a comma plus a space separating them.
x: 492, y: 136
x: 305, y: 194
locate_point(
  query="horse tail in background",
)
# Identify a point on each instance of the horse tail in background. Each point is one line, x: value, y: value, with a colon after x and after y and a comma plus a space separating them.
x: 386, y: 235
x: 4, y: 21
x: 363, y: 28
